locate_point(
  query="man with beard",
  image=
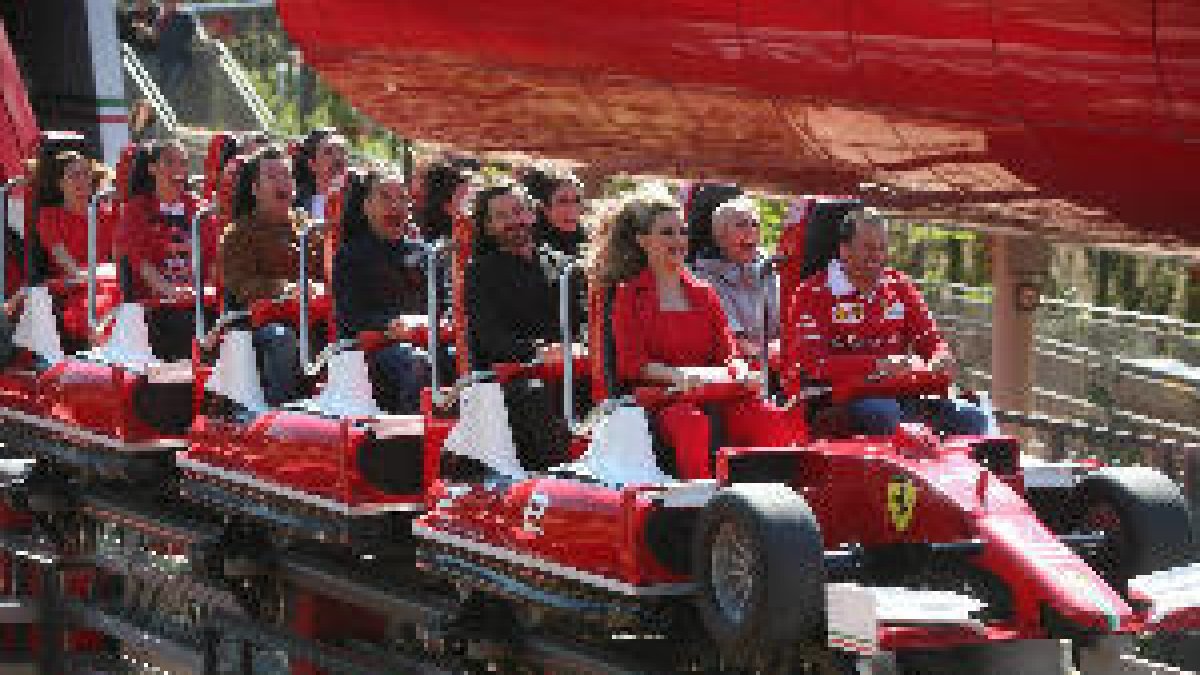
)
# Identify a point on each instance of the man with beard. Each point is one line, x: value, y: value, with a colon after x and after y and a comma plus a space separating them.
x: 512, y: 316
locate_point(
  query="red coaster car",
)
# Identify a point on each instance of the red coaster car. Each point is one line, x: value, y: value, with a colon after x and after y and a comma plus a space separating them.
x: 867, y: 546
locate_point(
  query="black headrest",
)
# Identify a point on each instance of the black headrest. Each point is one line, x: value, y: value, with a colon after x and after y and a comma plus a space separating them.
x: 823, y: 233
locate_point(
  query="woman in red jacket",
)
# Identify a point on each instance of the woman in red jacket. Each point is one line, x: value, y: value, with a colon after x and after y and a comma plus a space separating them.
x: 663, y: 320
x: 153, y: 246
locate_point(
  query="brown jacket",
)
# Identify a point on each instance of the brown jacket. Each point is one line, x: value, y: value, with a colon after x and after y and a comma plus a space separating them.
x: 259, y: 260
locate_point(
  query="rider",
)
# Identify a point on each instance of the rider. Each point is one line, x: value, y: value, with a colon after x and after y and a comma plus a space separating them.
x: 446, y: 187
x: 65, y: 183
x: 860, y: 319
x: 153, y: 245
x: 739, y: 275
x: 664, y: 320
x: 559, y: 196
x: 378, y: 280
x: 320, y: 169
x: 260, y: 261
x: 513, y: 316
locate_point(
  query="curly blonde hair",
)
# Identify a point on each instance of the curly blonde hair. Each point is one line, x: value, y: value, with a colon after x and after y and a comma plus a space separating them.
x: 616, y: 255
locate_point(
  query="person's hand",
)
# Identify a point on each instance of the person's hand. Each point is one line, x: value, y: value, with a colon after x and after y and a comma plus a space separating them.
x: 894, y: 365
x: 944, y: 363
x: 551, y: 353
x: 747, y: 348
x: 685, y: 381
x: 745, y: 375
x: 398, y: 328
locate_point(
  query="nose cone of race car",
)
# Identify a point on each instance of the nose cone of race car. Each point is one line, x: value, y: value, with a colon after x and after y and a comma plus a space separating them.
x: 1045, y: 573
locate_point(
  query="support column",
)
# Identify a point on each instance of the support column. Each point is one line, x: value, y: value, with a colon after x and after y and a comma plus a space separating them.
x: 1019, y: 266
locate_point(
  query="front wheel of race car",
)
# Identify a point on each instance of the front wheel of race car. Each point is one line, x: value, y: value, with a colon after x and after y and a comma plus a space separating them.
x: 1145, y: 519
x: 758, y: 562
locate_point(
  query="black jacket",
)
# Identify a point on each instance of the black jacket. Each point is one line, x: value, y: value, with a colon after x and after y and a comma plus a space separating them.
x: 374, y: 281
x: 512, y: 305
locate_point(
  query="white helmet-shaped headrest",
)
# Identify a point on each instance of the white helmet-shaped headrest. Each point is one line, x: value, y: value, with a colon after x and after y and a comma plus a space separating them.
x: 37, y: 330
x: 236, y: 374
x: 483, y: 432
x: 622, y: 451
x: 129, y: 341
x: 347, y: 390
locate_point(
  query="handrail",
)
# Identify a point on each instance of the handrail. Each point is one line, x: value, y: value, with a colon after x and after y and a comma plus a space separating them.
x: 141, y: 77
x: 960, y: 291
x: 237, y: 77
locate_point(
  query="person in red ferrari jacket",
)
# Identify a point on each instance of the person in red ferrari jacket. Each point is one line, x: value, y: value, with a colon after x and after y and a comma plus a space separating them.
x: 859, y: 318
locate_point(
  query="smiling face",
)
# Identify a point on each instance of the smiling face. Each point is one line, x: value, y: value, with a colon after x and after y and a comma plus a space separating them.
x: 510, y: 222
x: 865, y: 255
x: 736, y: 232
x: 387, y: 208
x: 275, y: 189
x: 76, y: 184
x: 666, y: 243
x: 329, y: 162
x: 170, y: 172
x: 565, y: 208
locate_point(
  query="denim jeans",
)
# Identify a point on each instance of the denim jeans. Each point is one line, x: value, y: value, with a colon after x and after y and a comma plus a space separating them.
x: 951, y: 416
x: 279, y: 359
x: 398, y: 373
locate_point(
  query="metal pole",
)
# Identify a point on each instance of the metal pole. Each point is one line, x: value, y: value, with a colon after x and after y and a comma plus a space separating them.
x: 93, y: 217
x: 198, y: 269
x: 431, y: 301
x: 764, y: 358
x: 564, y: 314
x: 5, y: 190
x: 303, y: 327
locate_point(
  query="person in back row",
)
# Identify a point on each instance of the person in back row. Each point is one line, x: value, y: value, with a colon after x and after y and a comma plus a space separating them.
x: 559, y: 196
x: 446, y: 188
x: 320, y: 169
x: 153, y: 246
x: 664, y: 320
x: 378, y: 279
x: 860, y: 319
x: 740, y: 275
x: 512, y: 314
x: 260, y: 256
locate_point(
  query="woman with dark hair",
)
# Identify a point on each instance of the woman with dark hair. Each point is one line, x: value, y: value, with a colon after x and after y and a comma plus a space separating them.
x: 65, y: 183
x: 378, y: 280
x: 663, y: 320
x: 153, y: 245
x: 559, y: 196
x: 260, y: 256
x: 321, y: 165
x: 445, y: 188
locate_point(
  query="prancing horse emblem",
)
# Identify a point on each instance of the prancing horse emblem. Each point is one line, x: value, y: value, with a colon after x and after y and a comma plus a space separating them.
x: 901, y: 501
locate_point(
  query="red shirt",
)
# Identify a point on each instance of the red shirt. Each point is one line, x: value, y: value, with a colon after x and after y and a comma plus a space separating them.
x: 842, y: 333
x: 159, y: 234
x: 56, y: 226
x: 644, y: 333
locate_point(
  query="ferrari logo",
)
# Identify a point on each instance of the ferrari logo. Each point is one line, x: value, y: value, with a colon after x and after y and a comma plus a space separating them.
x: 901, y: 501
x: 848, y: 312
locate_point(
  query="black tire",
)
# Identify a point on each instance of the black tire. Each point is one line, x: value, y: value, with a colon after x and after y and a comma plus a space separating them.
x: 783, y: 605
x: 1146, y: 517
